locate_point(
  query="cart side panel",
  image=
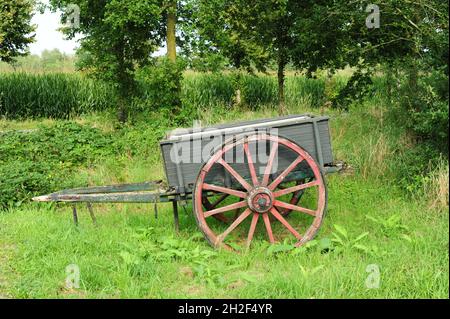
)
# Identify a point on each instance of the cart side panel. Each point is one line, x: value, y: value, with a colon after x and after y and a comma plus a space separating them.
x: 302, y: 134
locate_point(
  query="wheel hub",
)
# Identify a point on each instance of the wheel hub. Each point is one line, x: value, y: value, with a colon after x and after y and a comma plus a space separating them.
x: 260, y: 200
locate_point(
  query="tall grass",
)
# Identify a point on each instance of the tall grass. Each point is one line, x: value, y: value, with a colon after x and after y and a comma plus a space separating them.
x: 205, y: 90
x: 257, y: 91
x: 436, y: 187
x: 58, y: 95
x: 24, y: 95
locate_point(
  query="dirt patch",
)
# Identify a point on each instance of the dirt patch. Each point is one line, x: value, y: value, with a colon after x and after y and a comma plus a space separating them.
x: 187, y: 272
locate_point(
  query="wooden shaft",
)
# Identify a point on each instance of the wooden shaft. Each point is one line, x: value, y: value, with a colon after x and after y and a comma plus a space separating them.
x: 75, y: 215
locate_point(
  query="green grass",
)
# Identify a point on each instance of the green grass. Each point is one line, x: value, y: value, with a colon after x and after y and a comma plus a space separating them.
x: 133, y: 255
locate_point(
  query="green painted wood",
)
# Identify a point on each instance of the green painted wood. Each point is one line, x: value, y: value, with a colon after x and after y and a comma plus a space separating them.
x: 122, y: 188
x: 108, y: 198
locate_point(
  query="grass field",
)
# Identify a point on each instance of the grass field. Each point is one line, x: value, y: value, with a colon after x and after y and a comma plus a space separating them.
x: 130, y: 254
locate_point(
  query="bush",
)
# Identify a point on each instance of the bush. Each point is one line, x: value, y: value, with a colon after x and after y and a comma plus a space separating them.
x: 45, y: 160
x: 430, y: 111
x: 48, y: 159
x: 160, y: 83
x: 301, y: 90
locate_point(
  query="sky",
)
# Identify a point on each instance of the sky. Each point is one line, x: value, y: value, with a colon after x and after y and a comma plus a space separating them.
x: 47, y: 35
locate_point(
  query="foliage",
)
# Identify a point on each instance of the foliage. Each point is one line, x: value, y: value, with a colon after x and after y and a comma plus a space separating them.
x: 259, y: 34
x: 428, y: 110
x: 414, y: 164
x: 15, y: 28
x: 67, y: 95
x: 207, y: 90
x: 117, y: 37
x: 342, y: 239
x: 413, y: 36
x: 161, y: 83
x: 132, y: 255
x: 221, y: 28
x: 42, y: 161
x: 424, y: 114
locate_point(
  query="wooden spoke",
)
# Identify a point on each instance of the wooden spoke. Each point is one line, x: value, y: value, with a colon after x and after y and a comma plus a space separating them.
x: 225, y: 190
x: 268, y: 228
x: 251, y: 232
x: 295, y: 189
x: 269, y: 166
x: 235, y: 174
x: 225, y: 208
x: 294, y: 207
x: 251, y: 167
x: 236, y: 223
x: 286, y: 172
x: 210, y: 206
x: 285, y: 223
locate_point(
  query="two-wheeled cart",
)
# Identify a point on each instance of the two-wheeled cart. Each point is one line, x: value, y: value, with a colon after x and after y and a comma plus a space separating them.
x: 236, y: 175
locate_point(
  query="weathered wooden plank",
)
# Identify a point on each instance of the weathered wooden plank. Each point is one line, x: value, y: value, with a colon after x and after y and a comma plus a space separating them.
x: 301, y: 132
x: 122, y: 188
x: 134, y: 197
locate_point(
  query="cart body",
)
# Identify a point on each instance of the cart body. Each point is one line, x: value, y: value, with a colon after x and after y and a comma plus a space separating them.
x: 186, y: 151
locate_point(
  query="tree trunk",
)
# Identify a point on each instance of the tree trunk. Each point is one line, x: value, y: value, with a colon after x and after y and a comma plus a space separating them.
x: 171, y: 27
x: 281, y: 98
x: 237, y: 88
x: 122, y: 110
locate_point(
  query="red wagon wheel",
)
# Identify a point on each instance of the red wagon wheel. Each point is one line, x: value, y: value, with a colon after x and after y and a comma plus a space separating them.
x: 295, y: 199
x: 260, y: 195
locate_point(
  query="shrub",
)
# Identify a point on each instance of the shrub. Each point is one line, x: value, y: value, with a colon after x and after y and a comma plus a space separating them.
x: 421, y: 108
x: 160, y: 84
x: 45, y: 160
x: 430, y: 111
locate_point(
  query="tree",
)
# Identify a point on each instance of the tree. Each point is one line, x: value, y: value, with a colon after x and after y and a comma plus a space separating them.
x: 16, y: 30
x: 118, y: 36
x: 258, y: 33
x: 222, y: 31
x: 412, y: 35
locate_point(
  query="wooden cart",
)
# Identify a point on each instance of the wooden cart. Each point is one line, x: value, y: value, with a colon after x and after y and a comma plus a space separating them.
x: 235, y: 175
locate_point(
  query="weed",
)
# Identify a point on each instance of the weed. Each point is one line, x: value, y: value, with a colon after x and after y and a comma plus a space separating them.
x: 342, y: 241
x: 391, y: 226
